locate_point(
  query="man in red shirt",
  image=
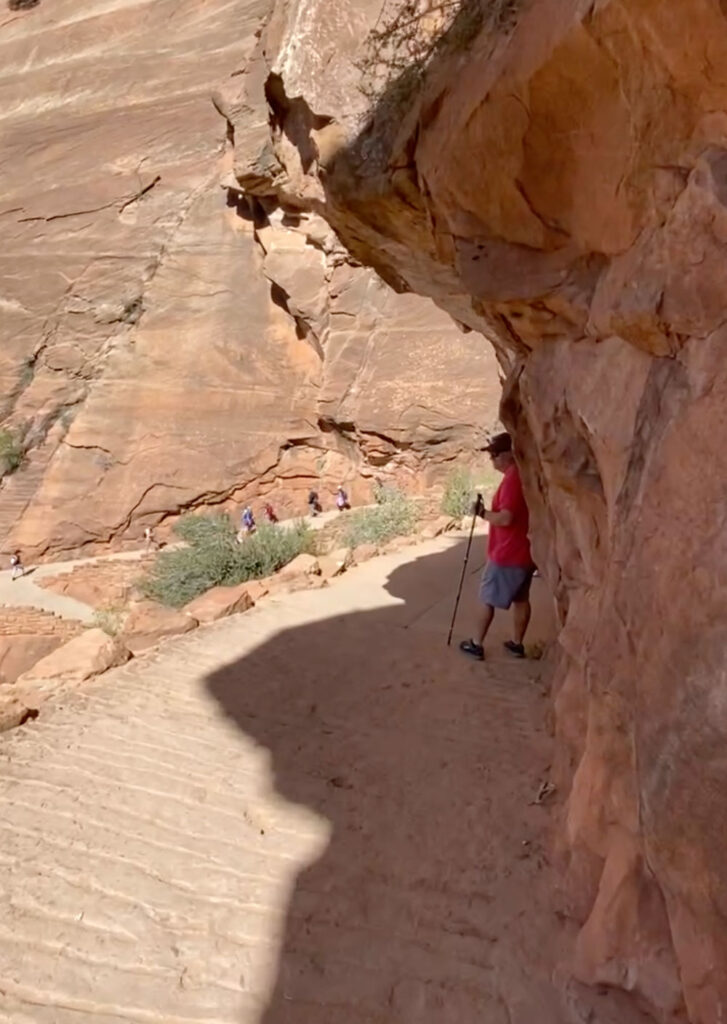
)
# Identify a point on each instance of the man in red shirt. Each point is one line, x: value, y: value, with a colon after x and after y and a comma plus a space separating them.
x: 509, y: 569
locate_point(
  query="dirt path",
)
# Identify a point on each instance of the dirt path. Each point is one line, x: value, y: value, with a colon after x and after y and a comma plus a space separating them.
x: 311, y: 813
x: 25, y: 591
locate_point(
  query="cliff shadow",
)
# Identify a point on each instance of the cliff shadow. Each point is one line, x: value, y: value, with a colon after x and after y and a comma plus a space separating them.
x: 427, y: 903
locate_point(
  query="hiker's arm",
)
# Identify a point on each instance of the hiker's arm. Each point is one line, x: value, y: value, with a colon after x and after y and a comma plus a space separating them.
x: 502, y: 518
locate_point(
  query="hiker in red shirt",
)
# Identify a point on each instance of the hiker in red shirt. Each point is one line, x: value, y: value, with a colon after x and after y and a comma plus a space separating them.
x: 509, y: 569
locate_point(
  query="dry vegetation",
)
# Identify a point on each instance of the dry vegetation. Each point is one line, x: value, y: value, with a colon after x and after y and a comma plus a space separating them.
x: 410, y: 33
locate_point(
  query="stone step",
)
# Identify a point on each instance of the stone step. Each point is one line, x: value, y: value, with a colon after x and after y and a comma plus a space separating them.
x: 36, y: 622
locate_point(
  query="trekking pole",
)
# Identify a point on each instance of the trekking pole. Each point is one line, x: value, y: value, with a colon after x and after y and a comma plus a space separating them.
x: 464, y: 568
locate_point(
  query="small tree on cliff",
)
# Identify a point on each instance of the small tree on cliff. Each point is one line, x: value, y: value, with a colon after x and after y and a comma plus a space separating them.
x: 409, y: 33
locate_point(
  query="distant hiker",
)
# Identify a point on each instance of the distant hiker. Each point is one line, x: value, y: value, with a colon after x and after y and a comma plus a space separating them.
x: 16, y: 565
x: 509, y: 570
x: 270, y: 513
x: 150, y: 541
x: 341, y: 499
x: 314, y: 505
x: 248, y: 520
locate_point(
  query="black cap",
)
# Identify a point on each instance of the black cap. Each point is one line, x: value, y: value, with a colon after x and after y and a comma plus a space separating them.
x: 499, y: 444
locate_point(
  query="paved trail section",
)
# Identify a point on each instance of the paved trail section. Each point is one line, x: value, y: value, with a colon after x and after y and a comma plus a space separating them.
x: 308, y: 814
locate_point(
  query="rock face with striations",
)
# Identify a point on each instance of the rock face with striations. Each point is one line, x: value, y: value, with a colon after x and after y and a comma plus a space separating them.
x: 165, y: 343
x: 557, y: 180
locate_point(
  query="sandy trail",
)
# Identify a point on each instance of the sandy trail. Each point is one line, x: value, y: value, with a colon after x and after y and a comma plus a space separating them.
x: 314, y: 812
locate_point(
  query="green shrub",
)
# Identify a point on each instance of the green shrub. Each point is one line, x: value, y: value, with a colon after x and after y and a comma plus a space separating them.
x: 109, y: 619
x: 11, y: 451
x: 394, y: 515
x: 213, y: 557
x: 385, y: 493
x: 269, y: 549
x: 459, y: 492
x: 201, y: 531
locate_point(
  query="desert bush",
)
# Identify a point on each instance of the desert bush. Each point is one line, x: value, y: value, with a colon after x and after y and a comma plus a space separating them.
x: 213, y: 557
x: 269, y: 549
x: 384, y: 493
x: 394, y: 515
x: 459, y: 493
x: 110, y: 619
x: 11, y: 451
x: 203, y: 531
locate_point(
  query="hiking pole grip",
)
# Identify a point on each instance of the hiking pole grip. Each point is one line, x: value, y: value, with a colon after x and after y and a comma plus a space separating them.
x: 464, y: 568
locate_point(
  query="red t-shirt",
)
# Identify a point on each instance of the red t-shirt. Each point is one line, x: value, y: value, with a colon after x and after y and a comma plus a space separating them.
x: 509, y: 545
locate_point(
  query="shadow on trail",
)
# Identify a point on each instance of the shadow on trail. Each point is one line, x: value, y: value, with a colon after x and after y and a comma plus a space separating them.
x: 423, y: 908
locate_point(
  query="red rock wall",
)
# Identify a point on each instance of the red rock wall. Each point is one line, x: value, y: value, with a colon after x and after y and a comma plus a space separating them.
x: 163, y: 345
x: 559, y: 183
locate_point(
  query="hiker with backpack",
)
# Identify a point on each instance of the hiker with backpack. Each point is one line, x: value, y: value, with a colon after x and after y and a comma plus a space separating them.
x: 247, y: 524
x: 314, y: 505
x: 342, y: 499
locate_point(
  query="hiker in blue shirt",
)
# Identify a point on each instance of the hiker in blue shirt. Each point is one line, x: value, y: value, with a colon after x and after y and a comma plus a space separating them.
x: 247, y: 523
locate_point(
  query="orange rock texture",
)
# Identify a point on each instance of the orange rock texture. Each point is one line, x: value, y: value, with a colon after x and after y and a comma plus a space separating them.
x: 166, y: 343
x: 557, y: 180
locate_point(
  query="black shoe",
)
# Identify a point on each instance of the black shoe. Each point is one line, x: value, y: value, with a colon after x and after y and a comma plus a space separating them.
x: 517, y: 650
x: 474, y: 650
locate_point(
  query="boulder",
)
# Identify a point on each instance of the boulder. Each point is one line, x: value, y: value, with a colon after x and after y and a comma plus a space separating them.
x: 18, y: 654
x: 257, y: 589
x: 335, y: 563
x: 147, y: 623
x: 443, y: 524
x: 218, y: 603
x: 87, y: 655
x: 363, y: 553
x: 291, y: 586
x: 13, y: 712
x: 396, y: 544
x: 28, y: 634
x: 303, y: 565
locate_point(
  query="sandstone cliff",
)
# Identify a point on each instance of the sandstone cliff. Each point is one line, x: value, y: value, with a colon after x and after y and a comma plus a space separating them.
x: 164, y: 342
x: 556, y: 178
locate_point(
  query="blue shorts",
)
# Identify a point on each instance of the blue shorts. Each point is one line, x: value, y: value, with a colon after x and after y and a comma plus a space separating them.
x: 503, y: 585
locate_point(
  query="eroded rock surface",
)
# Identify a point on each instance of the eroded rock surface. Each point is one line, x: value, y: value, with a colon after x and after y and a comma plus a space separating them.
x: 164, y: 343
x: 559, y: 183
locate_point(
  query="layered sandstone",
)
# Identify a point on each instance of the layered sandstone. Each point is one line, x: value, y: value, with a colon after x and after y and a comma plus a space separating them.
x: 558, y: 182
x: 164, y: 344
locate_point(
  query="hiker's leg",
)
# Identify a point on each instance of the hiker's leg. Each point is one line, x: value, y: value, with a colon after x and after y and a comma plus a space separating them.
x: 484, y: 622
x: 521, y: 611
